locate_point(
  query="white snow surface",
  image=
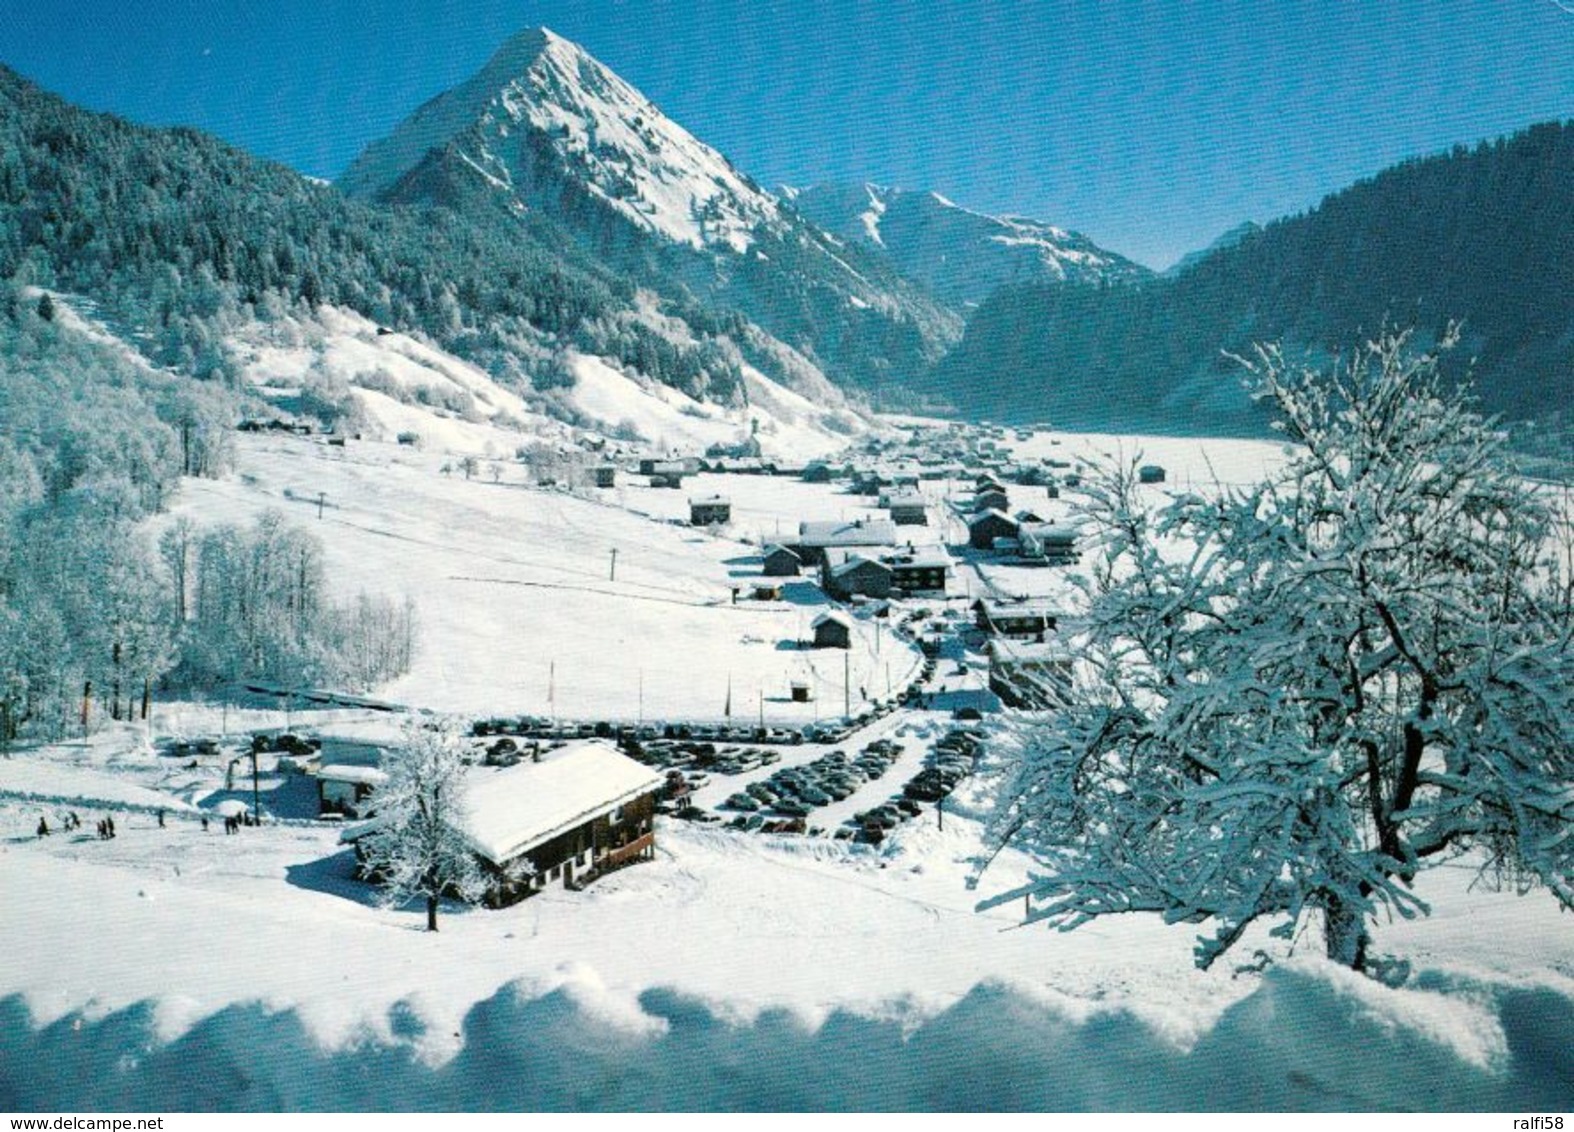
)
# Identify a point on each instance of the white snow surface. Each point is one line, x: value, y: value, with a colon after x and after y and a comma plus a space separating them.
x: 150, y: 971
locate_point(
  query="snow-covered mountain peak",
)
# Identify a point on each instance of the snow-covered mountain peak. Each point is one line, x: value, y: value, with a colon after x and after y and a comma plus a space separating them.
x: 543, y: 99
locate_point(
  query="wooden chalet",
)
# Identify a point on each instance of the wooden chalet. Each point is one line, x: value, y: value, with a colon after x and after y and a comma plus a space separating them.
x: 907, y: 509
x: 845, y: 574
x: 577, y: 814
x: 1024, y: 619
x: 923, y: 571
x: 604, y: 475
x: 985, y: 528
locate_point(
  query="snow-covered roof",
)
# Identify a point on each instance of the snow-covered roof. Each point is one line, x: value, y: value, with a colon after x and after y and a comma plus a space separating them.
x: 360, y: 775
x: 852, y: 562
x: 511, y: 810
x: 926, y: 558
x: 859, y: 532
x: 778, y: 548
x: 710, y: 501
x: 833, y: 616
x: 1001, y: 515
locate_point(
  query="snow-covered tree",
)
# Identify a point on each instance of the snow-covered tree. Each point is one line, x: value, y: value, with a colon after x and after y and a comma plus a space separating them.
x: 1298, y: 695
x: 416, y: 848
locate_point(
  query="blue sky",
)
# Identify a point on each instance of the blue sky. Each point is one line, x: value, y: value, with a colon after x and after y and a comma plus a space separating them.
x: 1150, y: 125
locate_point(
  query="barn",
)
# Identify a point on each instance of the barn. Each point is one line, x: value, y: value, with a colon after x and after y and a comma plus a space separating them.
x: 833, y: 630
x: 781, y: 562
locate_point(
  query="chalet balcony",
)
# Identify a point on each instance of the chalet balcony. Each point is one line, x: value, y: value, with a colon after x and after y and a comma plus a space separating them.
x: 626, y: 854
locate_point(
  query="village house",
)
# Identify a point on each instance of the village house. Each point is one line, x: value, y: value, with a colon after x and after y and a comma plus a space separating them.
x: 984, y: 529
x: 922, y: 571
x: 605, y: 475
x: 781, y: 561
x: 832, y: 630
x: 1054, y: 545
x: 907, y: 509
x: 815, y: 538
x: 992, y: 499
x: 1026, y: 619
x: 1031, y: 675
x: 580, y: 812
x: 845, y: 574
x: 710, y: 510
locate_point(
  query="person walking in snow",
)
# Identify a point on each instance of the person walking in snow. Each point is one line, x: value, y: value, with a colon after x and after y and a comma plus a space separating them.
x: 109, y: 824
x: 161, y: 819
x: 43, y: 827
x: 204, y: 823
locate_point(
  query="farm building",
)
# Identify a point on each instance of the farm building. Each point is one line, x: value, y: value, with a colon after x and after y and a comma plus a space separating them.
x: 815, y: 538
x: 923, y: 571
x: 710, y: 510
x: 781, y: 561
x: 344, y: 789
x: 984, y: 529
x: 846, y: 573
x: 579, y: 813
x: 832, y: 630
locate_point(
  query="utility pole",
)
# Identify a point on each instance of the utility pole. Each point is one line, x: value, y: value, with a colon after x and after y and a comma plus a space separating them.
x: 612, y: 575
x: 552, y: 691
x: 847, y: 684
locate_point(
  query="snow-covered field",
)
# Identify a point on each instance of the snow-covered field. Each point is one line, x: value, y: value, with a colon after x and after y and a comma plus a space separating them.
x: 177, y: 968
x: 174, y: 967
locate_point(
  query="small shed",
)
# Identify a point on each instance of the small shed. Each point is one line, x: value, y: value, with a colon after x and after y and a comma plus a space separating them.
x: 1150, y: 473
x: 833, y: 630
x: 710, y: 511
x: 781, y: 561
x: 606, y: 475
x: 801, y: 693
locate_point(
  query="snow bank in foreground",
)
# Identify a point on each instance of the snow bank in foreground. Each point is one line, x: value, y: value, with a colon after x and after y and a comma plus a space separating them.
x: 1308, y: 1038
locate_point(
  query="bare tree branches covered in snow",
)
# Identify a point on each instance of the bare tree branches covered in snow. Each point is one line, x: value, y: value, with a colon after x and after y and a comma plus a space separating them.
x: 416, y: 849
x: 1300, y: 694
